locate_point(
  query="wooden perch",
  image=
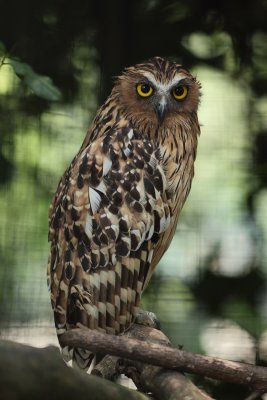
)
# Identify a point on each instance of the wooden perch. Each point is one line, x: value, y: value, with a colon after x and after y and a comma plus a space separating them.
x: 167, y: 357
x: 164, y: 384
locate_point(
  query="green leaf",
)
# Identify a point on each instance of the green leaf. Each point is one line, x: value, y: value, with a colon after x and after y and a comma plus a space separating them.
x: 21, y: 69
x: 41, y: 85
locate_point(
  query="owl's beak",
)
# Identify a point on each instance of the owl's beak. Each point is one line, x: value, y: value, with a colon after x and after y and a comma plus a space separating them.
x: 161, y: 108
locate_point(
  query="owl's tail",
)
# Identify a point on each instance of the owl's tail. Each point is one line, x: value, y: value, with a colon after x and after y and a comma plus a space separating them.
x: 109, y: 304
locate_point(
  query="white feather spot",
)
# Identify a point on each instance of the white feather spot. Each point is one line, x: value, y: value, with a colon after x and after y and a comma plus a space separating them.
x: 164, y: 223
x: 126, y: 151
x: 89, y: 226
x: 169, y: 218
x: 157, y: 194
x: 115, y: 229
x: 136, y: 232
x: 130, y: 134
x: 106, y: 165
x: 117, y: 301
x: 101, y: 187
x: 94, y: 198
x: 153, y: 162
x: 78, y: 193
x: 150, y: 233
x: 143, y: 237
x: 149, y: 258
x: 114, y: 259
x: 123, y: 295
x: 111, y: 277
x: 102, y: 307
x: 94, y: 312
x: 89, y: 308
x: 162, y: 226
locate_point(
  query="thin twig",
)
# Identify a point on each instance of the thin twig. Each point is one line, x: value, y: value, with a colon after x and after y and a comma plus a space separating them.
x: 7, y: 55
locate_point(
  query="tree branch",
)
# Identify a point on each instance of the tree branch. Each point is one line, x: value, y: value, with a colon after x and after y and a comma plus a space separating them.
x: 163, y: 383
x: 165, y: 356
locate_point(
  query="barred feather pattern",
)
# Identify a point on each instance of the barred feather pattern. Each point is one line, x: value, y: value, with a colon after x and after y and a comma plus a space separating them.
x: 113, y: 216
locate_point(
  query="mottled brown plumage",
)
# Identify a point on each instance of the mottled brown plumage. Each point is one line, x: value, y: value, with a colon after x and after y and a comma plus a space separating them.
x: 116, y: 207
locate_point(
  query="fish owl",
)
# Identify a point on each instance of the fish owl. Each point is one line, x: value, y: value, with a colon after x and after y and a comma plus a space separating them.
x: 116, y: 207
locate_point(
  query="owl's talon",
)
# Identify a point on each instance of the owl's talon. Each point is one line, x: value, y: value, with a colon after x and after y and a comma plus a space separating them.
x: 147, y: 318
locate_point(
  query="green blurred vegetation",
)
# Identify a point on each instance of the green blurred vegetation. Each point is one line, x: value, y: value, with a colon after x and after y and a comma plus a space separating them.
x: 57, y: 60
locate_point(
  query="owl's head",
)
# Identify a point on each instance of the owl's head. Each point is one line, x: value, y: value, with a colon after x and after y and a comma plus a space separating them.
x: 158, y: 92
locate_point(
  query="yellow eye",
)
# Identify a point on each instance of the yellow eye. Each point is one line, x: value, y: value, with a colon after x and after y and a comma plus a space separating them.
x: 180, y: 92
x: 144, y: 90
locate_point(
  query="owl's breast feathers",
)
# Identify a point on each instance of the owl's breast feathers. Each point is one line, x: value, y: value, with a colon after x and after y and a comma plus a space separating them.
x: 112, y: 218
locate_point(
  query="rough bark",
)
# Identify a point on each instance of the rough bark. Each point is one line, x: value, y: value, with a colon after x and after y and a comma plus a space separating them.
x: 167, y: 357
x: 164, y: 384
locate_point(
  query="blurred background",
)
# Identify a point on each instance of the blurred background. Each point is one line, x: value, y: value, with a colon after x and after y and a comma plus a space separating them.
x: 57, y: 60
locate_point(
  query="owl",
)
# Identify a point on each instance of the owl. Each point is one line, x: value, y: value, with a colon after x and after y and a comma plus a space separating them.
x: 116, y: 207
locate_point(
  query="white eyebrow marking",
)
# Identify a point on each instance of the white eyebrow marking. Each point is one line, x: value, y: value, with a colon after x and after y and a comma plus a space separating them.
x: 161, y: 86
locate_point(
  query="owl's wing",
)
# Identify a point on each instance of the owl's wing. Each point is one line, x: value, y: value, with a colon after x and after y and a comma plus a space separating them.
x: 107, y: 216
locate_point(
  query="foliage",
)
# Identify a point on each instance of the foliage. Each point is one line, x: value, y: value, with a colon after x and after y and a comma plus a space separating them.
x: 42, y: 86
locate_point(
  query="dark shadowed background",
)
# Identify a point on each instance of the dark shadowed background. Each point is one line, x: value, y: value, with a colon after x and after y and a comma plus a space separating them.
x: 57, y: 60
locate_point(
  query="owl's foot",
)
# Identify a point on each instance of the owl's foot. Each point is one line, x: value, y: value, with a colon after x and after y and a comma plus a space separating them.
x: 110, y: 367
x: 147, y: 318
